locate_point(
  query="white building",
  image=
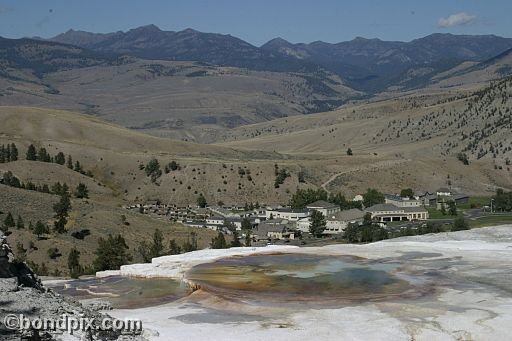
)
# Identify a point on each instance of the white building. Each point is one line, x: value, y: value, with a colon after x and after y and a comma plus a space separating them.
x: 287, y: 213
x: 402, y: 202
x: 337, y: 223
x: 390, y: 212
x: 326, y: 208
x: 216, y: 221
x: 304, y: 224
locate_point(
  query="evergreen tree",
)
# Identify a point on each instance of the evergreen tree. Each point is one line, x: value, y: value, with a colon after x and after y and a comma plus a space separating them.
x: 81, y: 191
x: 60, y: 225
x: 317, y: 223
x: 407, y: 193
x: 10, y: 180
x: 191, y: 243
x: 349, y: 152
x: 452, y: 208
x: 248, y: 239
x: 157, y: 246
x: 174, y: 248
x: 201, y: 201
x: 75, y: 269
x: 40, y: 229
x: 60, y: 158
x: 42, y: 155
x: 219, y: 242
x: 31, y: 153
x: 111, y: 253
x: 14, y: 153
x: 78, y: 167
x: 373, y: 197
x: 62, y: 207
x: 69, y: 162
x: 20, y: 224
x: 443, y: 209
x: 460, y: 225
x: 9, y: 221
x: 3, y: 158
x: 235, y: 242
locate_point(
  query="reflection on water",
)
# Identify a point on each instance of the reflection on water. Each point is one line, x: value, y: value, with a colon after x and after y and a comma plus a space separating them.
x: 297, y: 277
x: 124, y: 292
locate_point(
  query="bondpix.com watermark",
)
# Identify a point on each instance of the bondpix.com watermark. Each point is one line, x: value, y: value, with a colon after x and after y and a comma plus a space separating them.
x: 70, y: 324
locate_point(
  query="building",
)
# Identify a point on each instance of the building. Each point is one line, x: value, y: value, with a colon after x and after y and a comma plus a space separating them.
x: 215, y: 221
x: 402, y: 202
x: 443, y: 196
x: 390, y: 212
x: 338, y: 222
x: 303, y: 224
x: 287, y: 213
x: 272, y: 231
x: 326, y: 208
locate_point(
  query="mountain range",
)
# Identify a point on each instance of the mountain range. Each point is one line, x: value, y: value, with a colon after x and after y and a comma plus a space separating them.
x: 366, y: 64
x: 192, y: 85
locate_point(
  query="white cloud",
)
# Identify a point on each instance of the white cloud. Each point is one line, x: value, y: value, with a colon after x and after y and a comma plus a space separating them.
x: 459, y: 19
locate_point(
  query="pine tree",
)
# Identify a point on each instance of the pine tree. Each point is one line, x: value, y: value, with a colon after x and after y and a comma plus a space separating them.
x: 70, y: 162
x: 31, y: 153
x: 20, y: 224
x: 60, y: 158
x: 78, y: 167
x: 317, y: 223
x: 43, y: 155
x: 174, y: 248
x: 81, y: 191
x: 74, y: 263
x: 2, y: 154
x: 40, y: 229
x: 14, y: 152
x: 9, y: 221
x: 219, y: 242
x: 235, y: 242
x: 111, y: 253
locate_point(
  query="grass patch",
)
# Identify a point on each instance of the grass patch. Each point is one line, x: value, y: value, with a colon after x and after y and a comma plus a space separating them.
x: 476, y: 202
x: 436, y: 214
x: 491, y: 221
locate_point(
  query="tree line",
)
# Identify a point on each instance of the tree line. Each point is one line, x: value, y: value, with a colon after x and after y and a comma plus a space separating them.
x: 8, y: 153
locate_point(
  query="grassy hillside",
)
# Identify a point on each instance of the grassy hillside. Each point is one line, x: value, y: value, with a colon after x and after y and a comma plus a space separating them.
x: 175, y: 99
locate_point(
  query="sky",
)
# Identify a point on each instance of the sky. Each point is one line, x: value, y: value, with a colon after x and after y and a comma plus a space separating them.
x: 261, y: 20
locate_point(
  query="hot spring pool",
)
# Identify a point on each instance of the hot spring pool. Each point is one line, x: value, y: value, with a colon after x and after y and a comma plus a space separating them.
x: 298, y: 278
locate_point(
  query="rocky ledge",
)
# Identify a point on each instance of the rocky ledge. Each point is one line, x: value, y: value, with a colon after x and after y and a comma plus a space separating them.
x: 21, y: 293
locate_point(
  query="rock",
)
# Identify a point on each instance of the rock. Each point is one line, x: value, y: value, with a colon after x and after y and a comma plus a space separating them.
x: 9, y: 284
x: 22, y: 291
x: 97, y: 305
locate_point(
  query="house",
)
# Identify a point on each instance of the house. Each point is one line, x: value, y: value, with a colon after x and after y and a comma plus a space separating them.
x: 401, y: 202
x: 269, y: 231
x: 443, y: 192
x: 324, y: 207
x: 390, y: 212
x: 287, y: 213
x: 303, y: 224
x: 443, y: 196
x: 338, y: 222
x: 215, y: 220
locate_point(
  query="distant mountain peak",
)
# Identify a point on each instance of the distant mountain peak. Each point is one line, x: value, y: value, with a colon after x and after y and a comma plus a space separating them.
x: 147, y: 28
